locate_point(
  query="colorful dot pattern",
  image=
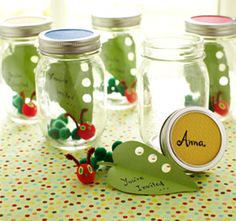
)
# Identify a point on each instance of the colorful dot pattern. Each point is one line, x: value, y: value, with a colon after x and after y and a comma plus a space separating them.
x: 38, y: 183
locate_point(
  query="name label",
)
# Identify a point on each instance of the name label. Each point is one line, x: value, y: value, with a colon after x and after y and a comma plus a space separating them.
x: 190, y: 143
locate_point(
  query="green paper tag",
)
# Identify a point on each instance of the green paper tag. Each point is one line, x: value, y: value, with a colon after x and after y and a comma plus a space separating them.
x: 217, y: 66
x: 72, y: 88
x: 140, y: 169
x: 18, y: 69
x: 119, y: 57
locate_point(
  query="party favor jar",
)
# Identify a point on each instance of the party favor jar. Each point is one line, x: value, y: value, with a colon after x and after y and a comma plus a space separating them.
x: 119, y: 34
x: 219, y: 33
x: 18, y: 62
x: 70, y: 93
x: 172, y: 75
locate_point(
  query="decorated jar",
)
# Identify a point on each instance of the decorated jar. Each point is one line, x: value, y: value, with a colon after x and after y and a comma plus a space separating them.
x: 18, y: 62
x: 172, y: 76
x: 219, y: 34
x: 120, y: 37
x: 69, y: 87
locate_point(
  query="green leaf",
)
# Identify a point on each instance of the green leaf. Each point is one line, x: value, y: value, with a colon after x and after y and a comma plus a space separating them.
x: 18, y: 69
x: 114, y: 54
x: 140, y: 169
x: 213, y: 63
x: 64, y: 85
x: 195, y: 78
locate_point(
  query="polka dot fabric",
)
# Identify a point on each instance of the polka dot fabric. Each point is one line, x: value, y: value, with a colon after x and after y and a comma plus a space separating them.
x: 38, y: 183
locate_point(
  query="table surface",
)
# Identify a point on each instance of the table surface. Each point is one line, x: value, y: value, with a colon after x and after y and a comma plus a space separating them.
x: 38, y: 183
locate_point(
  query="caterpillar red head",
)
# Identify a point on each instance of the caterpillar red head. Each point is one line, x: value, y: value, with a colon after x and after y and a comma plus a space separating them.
x: 85, y: 171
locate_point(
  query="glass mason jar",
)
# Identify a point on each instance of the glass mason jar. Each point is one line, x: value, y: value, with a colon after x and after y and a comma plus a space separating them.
x: 120, y: 37
x: 18, y: 62
x: 172, y: 76
x: 70, y: 93
x: 219, y: 34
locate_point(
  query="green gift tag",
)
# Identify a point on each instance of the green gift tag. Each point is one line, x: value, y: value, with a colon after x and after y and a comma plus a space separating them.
x: 71, y: 85
x: 140, y: 169
x: 119, y: 57
x: 218, y: 70
x: 18, y: 69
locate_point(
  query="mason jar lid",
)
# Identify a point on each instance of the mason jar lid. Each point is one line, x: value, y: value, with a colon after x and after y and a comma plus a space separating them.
x: 116, y: 19
x: 24, y: 26
x: 211, y: 25
x: 68, y: 41
x: 194, y: 138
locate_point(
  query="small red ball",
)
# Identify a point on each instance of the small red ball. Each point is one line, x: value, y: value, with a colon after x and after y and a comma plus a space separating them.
x: 131, y: 95
x: 29, y: 109
x: 86, y: 131
x: 86, y: 173
x: 221, y: 107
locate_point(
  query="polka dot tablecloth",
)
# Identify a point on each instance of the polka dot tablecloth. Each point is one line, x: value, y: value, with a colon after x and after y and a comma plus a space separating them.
x: 38, y: 183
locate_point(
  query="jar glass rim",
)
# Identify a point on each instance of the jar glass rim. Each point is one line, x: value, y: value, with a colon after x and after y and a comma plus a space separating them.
x: 171, y: 41
x: 173, y: 47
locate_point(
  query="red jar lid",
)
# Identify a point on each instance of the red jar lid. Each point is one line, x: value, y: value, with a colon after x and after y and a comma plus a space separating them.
x: 211, y: 25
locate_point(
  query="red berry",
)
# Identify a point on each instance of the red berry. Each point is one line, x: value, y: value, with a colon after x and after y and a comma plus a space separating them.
x: 131, y: 95
x: 85, y: 173
x: 29, y: 109
x: 86, y: 131
x: 221, y: 107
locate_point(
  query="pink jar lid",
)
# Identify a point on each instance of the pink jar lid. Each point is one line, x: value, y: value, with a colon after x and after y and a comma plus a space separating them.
x: 211, y: 25
x: 212, y: 19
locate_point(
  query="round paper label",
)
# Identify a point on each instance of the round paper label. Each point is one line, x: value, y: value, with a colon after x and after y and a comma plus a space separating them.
x: 195, y: 138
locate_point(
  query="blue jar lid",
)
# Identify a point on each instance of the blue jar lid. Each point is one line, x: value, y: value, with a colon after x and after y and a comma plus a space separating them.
x: 68, y: 41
